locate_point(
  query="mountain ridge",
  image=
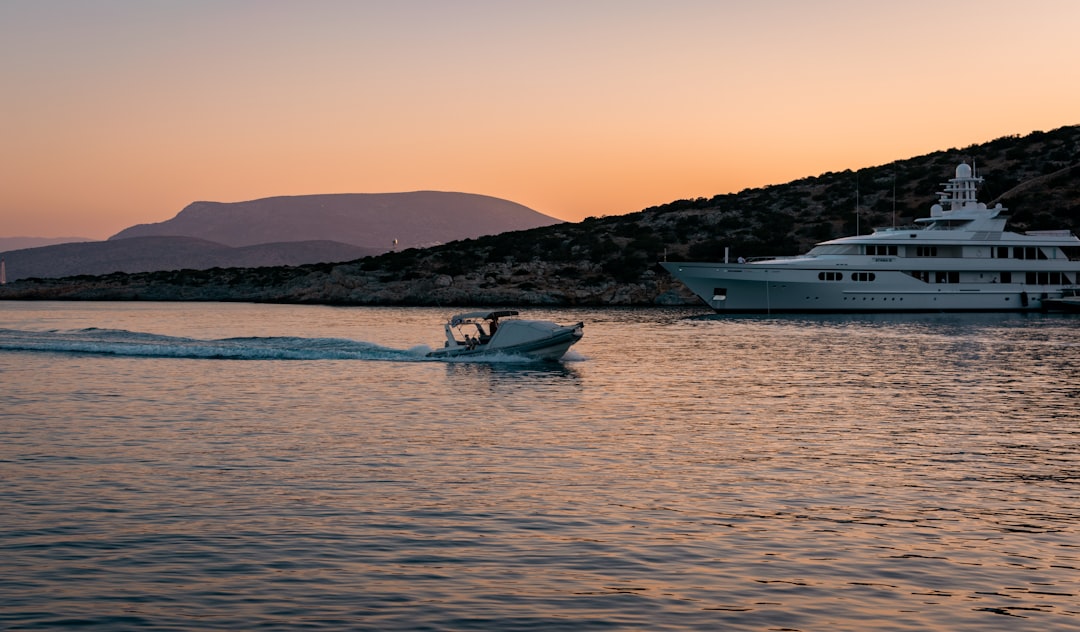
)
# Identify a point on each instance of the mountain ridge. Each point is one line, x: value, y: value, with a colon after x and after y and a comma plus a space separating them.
x: 370, y: 220
x: 23, y: 243
x: 281, y: 230
x: 151, y: 254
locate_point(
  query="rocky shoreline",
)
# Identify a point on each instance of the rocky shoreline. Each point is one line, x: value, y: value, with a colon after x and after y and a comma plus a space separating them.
x: 528, y: 284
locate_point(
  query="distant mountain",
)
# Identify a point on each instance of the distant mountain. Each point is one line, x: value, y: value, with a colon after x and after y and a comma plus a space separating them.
x: 277, y: 231
x: 371, y: 220
x: 17, y: 243
x: 151, y: 254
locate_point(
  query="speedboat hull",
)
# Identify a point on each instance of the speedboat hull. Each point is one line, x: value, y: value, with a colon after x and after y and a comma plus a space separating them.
x: 482, y: 333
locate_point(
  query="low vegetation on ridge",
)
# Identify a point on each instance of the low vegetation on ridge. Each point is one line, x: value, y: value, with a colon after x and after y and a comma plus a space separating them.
x: 612, y: 260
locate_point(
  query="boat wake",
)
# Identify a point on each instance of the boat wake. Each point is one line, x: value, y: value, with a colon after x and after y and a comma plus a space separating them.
x: 94, y: 341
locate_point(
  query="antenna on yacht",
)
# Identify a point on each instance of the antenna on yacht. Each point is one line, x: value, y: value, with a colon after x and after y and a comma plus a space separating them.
x: 857, y: 231
x: 894, y: 198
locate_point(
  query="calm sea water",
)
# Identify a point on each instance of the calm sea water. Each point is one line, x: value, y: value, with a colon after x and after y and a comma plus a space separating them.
x: 229, y: 466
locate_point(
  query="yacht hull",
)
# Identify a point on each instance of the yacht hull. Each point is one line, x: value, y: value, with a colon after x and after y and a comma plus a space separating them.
x: 762, y: 288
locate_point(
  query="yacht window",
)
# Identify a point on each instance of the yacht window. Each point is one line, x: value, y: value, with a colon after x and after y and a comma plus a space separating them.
x: 1002, y: 252
x: 1006, y: 277
x: 926, y: 251
x: 830, y: 276
x: 882, y: 250
x: 862, y: 276
x: 1050, y: 278
x: 1047, y: 278
x: 1028, y: 252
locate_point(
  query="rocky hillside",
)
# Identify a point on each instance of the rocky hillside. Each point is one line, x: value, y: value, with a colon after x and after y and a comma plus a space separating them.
x: 612, y: 260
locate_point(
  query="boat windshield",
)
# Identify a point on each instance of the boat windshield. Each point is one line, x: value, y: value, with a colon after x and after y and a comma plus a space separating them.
x: 473, y: 328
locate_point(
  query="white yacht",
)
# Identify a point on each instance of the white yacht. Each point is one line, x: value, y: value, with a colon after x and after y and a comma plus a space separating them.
x: 960, y: 258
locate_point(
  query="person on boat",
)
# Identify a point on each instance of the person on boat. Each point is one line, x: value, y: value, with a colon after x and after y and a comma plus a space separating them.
x: 494, y: 325
x: 481, y: 335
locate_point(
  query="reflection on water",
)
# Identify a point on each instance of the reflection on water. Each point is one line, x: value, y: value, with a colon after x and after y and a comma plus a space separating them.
x: 685, y: 472
x: 513, y: 373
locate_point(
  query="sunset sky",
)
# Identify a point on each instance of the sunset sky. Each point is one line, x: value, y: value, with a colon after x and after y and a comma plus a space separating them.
x: 119, y: 112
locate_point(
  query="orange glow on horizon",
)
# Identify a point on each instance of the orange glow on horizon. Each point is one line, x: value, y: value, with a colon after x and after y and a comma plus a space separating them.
x: 120, y: 117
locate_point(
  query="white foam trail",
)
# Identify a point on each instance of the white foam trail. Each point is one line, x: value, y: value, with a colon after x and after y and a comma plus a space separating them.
x: 128, y: 343
x: 573, y: 356
x: 135, y: 344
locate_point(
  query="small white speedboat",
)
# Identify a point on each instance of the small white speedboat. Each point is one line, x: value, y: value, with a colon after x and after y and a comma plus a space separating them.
x: 1069, y: 301
x: 486, y: 333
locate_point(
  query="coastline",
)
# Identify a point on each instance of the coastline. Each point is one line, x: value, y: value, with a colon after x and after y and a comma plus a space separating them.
x: 347, y: 284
